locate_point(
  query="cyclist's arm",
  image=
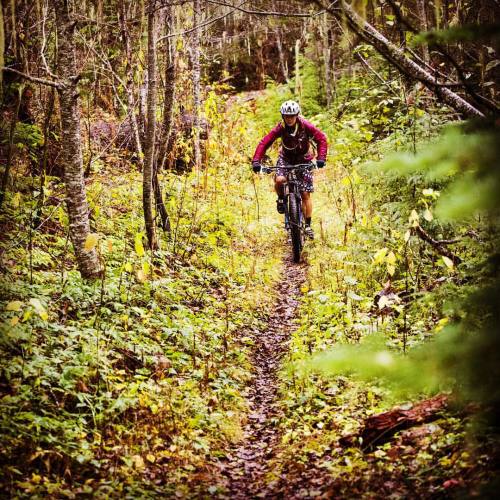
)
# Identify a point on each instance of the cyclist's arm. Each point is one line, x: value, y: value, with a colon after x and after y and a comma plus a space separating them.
x: 266, y: 142
x: 319, y: 138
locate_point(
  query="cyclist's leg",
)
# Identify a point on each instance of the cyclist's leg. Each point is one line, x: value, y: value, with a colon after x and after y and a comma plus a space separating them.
x: 307, y: 205
x: 279, y: 184
x: 306, y: 188
x: 279, y: 178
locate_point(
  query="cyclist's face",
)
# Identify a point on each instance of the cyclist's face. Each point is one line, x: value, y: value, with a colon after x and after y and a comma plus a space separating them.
x: 290, y: 120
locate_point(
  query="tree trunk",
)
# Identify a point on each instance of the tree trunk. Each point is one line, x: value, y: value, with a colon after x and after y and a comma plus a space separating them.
x: 129, y: 85
x: 169, y: 95
x: 327, y: 58
x: 281, y: 54
x: 195, y: 54
x: 147, y: 184
x: 2, y: 51
x: 168, y: 115
x: 71, y: 153
x: 408, y: 67
x: 298, y: 81
x: 422, y: 14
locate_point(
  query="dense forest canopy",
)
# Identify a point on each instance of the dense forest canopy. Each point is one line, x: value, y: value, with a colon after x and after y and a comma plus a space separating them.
x: 157, y: 338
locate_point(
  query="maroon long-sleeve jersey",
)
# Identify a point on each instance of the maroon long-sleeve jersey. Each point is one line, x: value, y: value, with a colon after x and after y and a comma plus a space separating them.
x: 295, y: 142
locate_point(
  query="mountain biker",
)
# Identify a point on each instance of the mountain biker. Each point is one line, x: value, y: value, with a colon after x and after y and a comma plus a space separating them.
x: 295, y: 133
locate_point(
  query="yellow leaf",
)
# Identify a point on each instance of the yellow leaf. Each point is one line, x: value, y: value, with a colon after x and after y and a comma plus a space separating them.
x: 441, y: 324
x: 428, y: 215
x: 141, y: 276
x: 448, y: 262
x: 91, y: 241
x: 391, y: 269
x: 15, y: 305
x: 391, y: 258
x: 146, y: 267
x: 414, y: 218
x: 150, y: 458
x: 128, y: 267
x: 16, y: 201
x: 407, y: 236
x: 110, y: 245
x: 139, y: 248
x: 379, y: 256
x: 14, y: 321
x: 138, y: 462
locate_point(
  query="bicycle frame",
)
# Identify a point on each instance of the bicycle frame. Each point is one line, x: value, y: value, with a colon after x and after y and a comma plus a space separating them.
x: 294, y: 223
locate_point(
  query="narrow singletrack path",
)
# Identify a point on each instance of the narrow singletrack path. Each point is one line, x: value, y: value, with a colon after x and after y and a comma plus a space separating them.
x: 247, y: 464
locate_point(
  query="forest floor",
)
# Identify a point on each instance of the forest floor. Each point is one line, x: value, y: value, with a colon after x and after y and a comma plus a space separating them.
x: 190, y: 376
x: 247, y: 464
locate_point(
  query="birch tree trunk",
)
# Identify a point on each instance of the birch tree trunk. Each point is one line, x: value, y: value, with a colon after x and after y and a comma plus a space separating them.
x: 281, y: 54
x: 169, y: 94
x: 129, y: 85
x: 195, y: 54
x: 71, y: 153
x: 147, y: 183
x: 422, y: 14
x: 407, y: 66
x: 298, y: 81
x: 327, y: 58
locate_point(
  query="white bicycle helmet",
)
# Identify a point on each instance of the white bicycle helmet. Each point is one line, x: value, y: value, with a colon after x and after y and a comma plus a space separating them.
x: 290, y: 108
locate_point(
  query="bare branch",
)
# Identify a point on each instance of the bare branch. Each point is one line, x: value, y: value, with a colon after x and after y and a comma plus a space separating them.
x: 35, y: 79
x: 202, y: 25
x: 266, y: 12
x: 438, y: 245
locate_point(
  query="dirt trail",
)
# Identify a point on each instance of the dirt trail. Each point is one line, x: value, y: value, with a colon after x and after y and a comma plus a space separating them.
x: 246, y: 467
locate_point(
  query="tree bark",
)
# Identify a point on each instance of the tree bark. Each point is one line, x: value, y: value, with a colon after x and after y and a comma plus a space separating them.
x: 408, y: 67
x: 129, y: 86
x: 422, y: 14
x: 168, y: 115
x: 169, y: 93
x: 2, y: 51
x: 71, y: 154
x: 281, y: 54
x: 147, y: 185
x: 196, y: 85
x: 327, y: 59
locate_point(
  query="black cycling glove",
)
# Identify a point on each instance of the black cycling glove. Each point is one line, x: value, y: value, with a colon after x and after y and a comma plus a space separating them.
x: 256, y: 166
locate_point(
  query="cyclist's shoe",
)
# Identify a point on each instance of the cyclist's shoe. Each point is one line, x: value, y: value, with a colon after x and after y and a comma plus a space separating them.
x: 309, y: 232
x: 280, y: 206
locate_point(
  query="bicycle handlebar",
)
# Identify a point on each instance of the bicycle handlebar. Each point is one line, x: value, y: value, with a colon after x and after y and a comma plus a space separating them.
x: 299, y: 166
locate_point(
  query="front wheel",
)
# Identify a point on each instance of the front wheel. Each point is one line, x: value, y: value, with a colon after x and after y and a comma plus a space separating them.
x: 294, y: 213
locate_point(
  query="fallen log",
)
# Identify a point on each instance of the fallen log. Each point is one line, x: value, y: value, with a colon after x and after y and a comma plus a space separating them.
x: 381, y: 427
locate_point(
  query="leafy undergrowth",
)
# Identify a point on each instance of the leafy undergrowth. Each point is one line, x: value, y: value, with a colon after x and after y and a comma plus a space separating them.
x: 134, y: 385
x: 124, y: 386
x: 372, y: 276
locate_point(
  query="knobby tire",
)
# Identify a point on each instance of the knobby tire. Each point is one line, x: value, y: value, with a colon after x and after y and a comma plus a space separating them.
x: 295, y: 229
